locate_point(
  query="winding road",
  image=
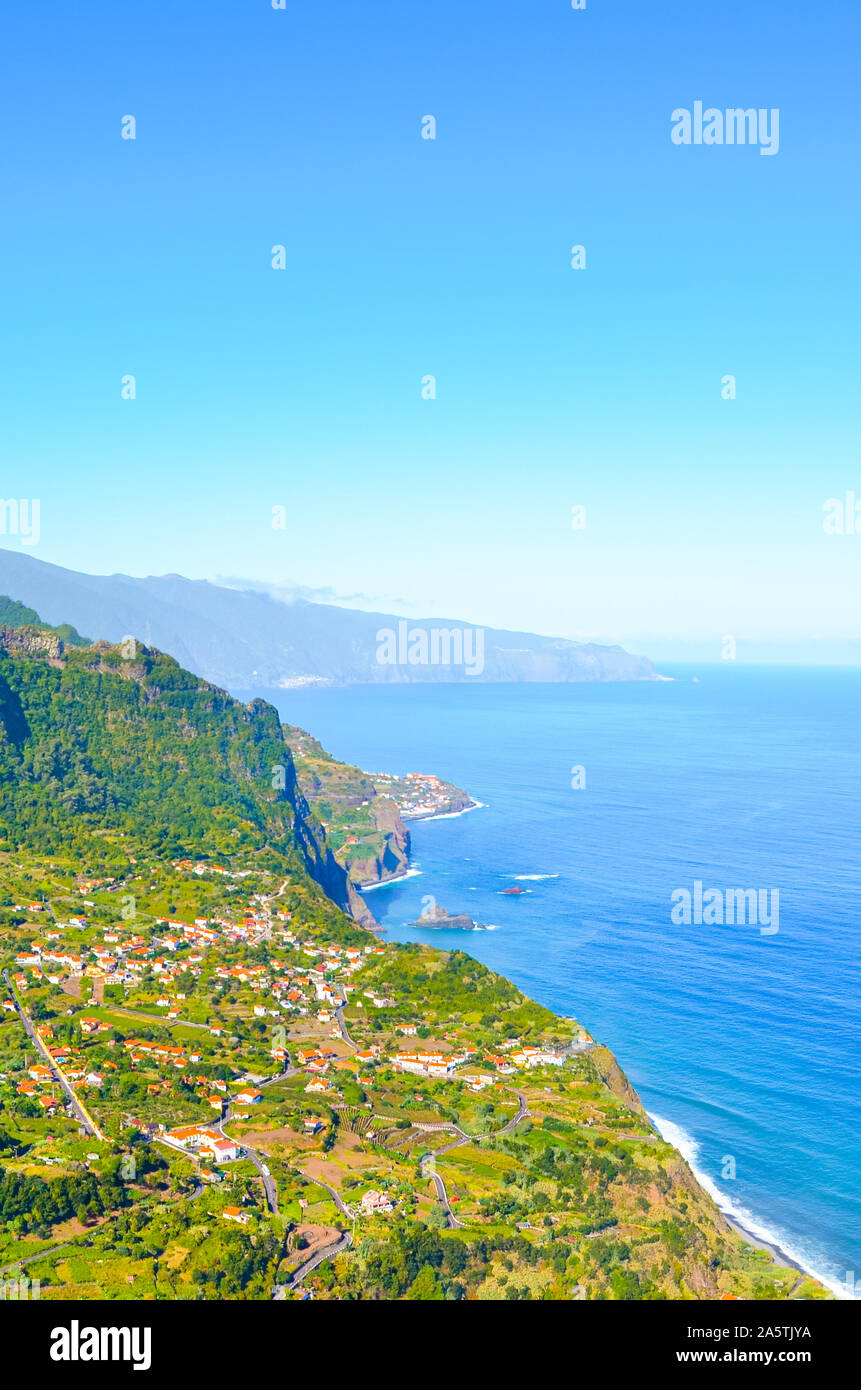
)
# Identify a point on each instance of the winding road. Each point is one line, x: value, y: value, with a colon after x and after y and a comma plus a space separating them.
x: 438, y: 1182
x: 327, y: 1253
x: 342, y: 1029
x: 77, y: 1106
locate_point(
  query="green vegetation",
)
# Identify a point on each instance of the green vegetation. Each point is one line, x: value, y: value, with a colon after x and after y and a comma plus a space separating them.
x: 164, y: 929
x: 15, y: 614
x: 364, y: 829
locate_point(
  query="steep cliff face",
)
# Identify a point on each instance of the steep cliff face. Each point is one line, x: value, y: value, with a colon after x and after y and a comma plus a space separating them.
x: 319, y: 858
x: 365, y: 830
x: 102, y: 742
x: 30, y: 641
x: 384, y: 855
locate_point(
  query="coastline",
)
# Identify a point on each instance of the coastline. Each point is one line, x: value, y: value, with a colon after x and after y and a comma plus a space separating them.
x: 747, y: 1225
x: 448, y: 815
x: 744, y: 1223
x: 778, y: 1255
x: 384, y: 883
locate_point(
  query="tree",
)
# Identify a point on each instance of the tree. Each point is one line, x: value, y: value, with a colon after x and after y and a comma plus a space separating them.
x: 426, y: 1287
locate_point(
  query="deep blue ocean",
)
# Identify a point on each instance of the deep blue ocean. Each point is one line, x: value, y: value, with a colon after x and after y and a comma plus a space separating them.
x: 744, y: 1046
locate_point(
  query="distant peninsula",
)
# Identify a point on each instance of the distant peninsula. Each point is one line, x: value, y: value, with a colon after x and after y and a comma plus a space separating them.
x: 242, y: 637
x: 365, y: 813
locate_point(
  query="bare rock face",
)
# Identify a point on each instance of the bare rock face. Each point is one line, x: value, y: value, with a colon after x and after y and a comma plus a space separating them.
x: 31, y: 641
x: 437, y: 919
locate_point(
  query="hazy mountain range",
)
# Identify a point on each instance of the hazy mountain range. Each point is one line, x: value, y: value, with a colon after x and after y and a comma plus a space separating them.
x: 244, y: 640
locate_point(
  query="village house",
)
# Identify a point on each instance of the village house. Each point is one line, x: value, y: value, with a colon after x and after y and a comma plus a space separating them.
x: 207, y: 1142
x: 374, y: 1203
x: 236, y: 1214
x: 248, y: 1096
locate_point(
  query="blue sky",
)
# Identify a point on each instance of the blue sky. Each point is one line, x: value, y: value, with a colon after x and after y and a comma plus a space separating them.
x: 405, y: 257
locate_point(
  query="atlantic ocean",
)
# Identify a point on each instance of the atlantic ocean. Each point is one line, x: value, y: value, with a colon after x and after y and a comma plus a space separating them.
x: 744, y: 1044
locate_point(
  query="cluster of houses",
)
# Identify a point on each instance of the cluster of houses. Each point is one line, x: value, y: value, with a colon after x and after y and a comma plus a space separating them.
x: 417, y: 794
x: 439, y: 1064
x: 516, y: 1054
x: 177, y: 949
x: 204, y: 1142
x: 201, y: 867
x: 140, y: 1050
x: 42, y: 1082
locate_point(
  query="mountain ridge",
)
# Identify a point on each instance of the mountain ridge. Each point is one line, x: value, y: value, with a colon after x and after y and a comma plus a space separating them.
x: 245, y: 640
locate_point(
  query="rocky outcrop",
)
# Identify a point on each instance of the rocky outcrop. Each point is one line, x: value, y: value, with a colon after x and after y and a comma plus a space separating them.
x: 319, y: 859
x: 437, y: 919
x: 365, y: 830
x: 31, y: 641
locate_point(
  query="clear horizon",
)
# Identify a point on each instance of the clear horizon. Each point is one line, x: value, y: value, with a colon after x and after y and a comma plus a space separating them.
x: 259, y: 389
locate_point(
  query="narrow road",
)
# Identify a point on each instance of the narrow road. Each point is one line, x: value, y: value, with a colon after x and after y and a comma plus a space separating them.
x: 515, y: 1119
x: 259, y: 1163
x: 327, y: 1253
x: 268, y: 1181
x: 342, y: 1029
x: 31, y: 1259
x: 336, y: 1198
x: 78, y: 1108
x: 441, y: 1193
x: 156, y: 1018
x: 438, y: 1182
x: 282, y: 1076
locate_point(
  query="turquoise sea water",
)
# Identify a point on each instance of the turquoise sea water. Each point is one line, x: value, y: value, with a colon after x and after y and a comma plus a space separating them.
x: 744, y: 1046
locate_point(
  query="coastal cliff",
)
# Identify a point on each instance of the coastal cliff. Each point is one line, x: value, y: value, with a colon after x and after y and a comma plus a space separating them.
x: 365, y: 813
x: 133, y: 782
x: 365, y: 829
x: 52, y: 695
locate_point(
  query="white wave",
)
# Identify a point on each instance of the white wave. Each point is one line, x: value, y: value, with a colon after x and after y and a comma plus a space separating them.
x: 533, y: 878
x: 690, y: 1150
x: 453, y: 815
x: 369, y: 887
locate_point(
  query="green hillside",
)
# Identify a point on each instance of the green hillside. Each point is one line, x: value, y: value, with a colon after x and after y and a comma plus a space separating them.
x: 168, y: 952
x: 15, y: 614
x: 104, y: 755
